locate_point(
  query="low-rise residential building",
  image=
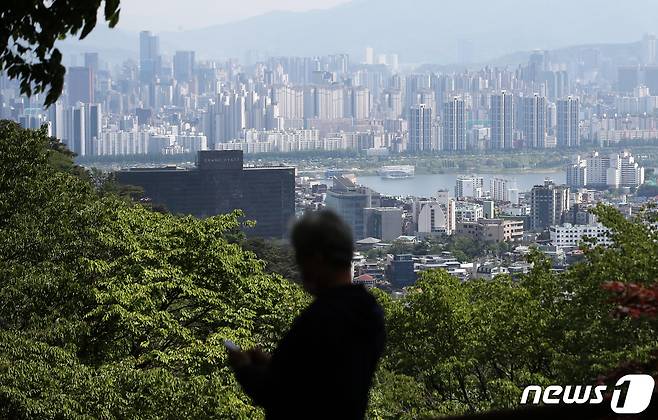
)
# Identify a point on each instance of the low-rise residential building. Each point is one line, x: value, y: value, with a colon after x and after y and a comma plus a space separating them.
x: 468, y: 212
x: 492, y: 230
x: 440, y: 262
x: 400, y: 270
x: 568, y: 235
x: 431, y: 217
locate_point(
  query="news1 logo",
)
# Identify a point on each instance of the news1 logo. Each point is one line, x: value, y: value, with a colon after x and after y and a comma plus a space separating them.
x: 639, y: 389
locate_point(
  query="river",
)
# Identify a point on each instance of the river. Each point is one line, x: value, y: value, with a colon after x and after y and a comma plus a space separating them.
x: 428, y: 185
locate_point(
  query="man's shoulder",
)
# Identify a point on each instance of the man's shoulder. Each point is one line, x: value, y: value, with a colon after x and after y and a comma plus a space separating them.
x: 347, y: 302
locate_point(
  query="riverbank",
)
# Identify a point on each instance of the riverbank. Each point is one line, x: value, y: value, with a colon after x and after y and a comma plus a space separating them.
x: 499, y: 162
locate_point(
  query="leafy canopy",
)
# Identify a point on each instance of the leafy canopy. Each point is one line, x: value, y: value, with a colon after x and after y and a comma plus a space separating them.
x: 108, y: 309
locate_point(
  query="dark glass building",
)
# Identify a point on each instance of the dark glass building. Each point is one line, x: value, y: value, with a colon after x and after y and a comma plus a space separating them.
x: 400, y: 271
x: 220, y: 184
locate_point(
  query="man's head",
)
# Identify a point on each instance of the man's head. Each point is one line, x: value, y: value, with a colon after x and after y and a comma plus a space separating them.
x: 323, y: 249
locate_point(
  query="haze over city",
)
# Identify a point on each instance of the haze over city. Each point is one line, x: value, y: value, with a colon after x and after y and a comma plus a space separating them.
x: 427, y: 31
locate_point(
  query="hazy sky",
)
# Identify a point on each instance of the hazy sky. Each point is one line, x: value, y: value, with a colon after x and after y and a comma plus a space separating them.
x: 171, y: 15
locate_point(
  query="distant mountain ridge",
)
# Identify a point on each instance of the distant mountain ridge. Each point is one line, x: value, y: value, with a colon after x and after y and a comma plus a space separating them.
x: 421, y: 31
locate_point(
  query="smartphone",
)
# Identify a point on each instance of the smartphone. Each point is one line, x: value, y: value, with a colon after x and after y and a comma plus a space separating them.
x: 231, y: 345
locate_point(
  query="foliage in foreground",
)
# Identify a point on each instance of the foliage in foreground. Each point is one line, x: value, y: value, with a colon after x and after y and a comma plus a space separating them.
x: 108, y: 309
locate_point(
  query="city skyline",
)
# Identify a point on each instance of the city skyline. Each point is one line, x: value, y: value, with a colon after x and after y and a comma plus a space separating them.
x: 328, y: 208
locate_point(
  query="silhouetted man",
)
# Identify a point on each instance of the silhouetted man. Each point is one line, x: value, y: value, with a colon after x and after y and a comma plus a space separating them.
x: 324, y: 365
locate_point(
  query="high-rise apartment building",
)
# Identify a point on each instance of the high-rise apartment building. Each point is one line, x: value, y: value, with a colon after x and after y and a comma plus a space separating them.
x: 533, y: 121
x: 605, y: 170
x: 358, y: 103
x: 500, y: 189
x: 454, y: 124
x: 502, y: 121
x: 469, y: 186
x: 370, y: 55
x: 628, y: 78
x: 568, y: 119
x: 420, y: 128
x: 547, y: 203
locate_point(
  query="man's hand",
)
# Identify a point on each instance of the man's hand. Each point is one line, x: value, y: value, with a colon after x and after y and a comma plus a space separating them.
x: 259, y: 357
x: 238, y: 358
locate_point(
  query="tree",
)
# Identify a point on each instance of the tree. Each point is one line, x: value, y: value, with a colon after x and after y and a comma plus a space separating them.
x: 29, y: 30
x: 277, y: 256
x: 647, y: 190
x: 108, y: 309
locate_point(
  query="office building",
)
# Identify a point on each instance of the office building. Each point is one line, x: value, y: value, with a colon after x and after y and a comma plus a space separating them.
x: 80, y: 84
x: 384, y: 223
x: 78, y: 139
x: 651, y: 79
x: 488, y: 209
x: 149, y: 57
x: 94, y: 125
x: 349, y: 201
x: 502, y: 121
x: 184, y: 66
x: 568, y: 131
x: 219, y: 184
x: 91, y: 61
x: 649, y: 49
